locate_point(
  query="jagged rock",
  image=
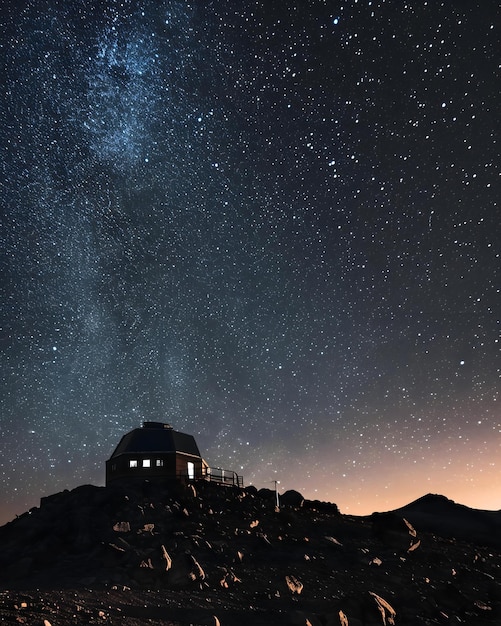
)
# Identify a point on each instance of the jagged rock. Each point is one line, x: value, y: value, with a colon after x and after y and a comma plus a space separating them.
x: 197, y: 571
x: 334, y: 541
x: 295, y: 586
x: 167, y: 559
x: 229, y: 578
x: 147, y: 528
x: 387, y: 612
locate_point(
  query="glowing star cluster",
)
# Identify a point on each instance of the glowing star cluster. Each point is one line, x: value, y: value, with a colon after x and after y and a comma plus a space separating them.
x: 275, y: 227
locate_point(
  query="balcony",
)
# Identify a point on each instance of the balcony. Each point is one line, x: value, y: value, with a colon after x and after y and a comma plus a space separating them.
x: 223, y: 477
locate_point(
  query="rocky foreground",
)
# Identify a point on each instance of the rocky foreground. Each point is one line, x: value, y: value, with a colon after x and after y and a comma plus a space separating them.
x: 217, y: 555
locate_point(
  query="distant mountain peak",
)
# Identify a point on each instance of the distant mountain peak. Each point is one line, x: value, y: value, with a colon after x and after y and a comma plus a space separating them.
x: 433, y: 500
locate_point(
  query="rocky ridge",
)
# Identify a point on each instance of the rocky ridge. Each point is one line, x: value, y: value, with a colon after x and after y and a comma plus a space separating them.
x: 207, y: 554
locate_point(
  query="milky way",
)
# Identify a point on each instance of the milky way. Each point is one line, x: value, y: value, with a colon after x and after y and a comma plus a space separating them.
x: 274, y: 227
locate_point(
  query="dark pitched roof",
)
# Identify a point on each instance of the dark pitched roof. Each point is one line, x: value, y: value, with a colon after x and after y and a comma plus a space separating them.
x: 156, y: 437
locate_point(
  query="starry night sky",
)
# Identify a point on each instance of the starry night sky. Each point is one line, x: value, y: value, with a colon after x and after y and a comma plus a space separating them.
x: 275, y: 227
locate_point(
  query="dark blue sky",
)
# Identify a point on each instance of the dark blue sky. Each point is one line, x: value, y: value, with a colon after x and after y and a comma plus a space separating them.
x: 275, y: 228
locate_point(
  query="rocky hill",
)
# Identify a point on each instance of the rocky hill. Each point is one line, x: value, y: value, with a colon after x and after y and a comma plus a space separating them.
x: 208, y: 554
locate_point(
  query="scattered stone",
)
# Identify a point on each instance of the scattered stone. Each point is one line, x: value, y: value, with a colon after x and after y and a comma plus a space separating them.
x: 147, y: 528
x: 198, y: 572
x: 388, y: 613
x: 334, y: 541
x: 228, y: 578
x: 414, y: 546
x: 343, y: 620
x: 294, y: 585
x: 167, y: 559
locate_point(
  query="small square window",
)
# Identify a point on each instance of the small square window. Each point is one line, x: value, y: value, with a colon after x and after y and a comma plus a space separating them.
x: 159, y: 463
x: 133, y: 463
x: 146, y: 463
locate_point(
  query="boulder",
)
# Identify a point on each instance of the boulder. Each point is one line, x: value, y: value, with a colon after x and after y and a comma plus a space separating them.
x: 291, y: 498
x: 394, y: 531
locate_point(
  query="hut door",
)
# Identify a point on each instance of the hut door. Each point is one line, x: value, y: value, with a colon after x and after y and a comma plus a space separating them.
x: 191, y: 470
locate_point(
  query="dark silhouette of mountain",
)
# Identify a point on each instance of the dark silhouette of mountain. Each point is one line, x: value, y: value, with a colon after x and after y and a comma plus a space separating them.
x: 210, y: 554
x: 437, y: 514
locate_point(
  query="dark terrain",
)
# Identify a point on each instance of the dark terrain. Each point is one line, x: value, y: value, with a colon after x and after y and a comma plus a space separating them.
x: 221, y: 555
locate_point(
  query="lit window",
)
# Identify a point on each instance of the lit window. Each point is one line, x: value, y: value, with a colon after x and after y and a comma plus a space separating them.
x: 159, y: 463
x: 146, y: 463
x: 133, y: 463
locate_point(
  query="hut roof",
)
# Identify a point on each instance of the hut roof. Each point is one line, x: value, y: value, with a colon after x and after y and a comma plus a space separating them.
x: 156, y: 437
